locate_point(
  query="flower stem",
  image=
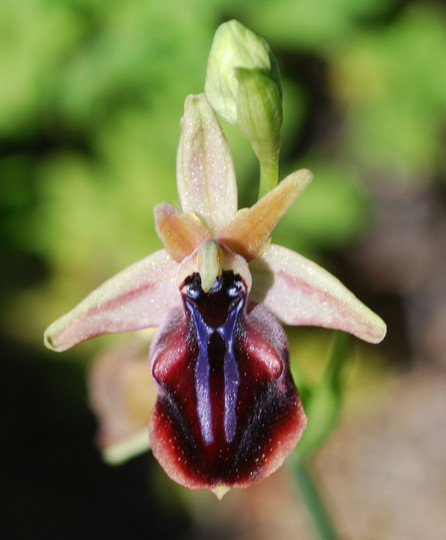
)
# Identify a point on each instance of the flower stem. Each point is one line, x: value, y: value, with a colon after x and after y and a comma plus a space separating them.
x: 314, y: 503
x: 269, y: 176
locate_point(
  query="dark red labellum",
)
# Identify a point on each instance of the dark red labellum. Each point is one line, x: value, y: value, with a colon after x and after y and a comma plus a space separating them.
x: 228, y: 412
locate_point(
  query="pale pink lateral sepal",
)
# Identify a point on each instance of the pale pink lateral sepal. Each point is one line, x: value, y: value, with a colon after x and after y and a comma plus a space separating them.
x: 249, y: 230
x: 299, y: 292
x: 138, y: 297
x: 205, y: 170
x: 122, y: 395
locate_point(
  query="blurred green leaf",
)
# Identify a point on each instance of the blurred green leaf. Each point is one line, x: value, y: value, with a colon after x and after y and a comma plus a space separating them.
x: 306, y: 24
x: 322, y: 404
x: 391, y: 81
x: 332, y: 211
x: 35, y: 38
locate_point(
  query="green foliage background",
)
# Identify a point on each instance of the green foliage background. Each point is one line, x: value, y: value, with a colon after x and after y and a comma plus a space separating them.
x: 91, y: 95
x: 91, y: 98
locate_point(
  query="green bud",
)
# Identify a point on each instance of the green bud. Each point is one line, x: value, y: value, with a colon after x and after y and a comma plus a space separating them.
x: 235, y: 46
x: 243, y: 86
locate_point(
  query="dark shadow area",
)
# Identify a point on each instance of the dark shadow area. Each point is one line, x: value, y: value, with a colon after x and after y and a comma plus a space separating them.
x: 53, y: 482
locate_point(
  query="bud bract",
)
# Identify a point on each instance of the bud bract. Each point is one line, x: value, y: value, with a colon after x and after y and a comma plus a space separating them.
x: 259, y: 117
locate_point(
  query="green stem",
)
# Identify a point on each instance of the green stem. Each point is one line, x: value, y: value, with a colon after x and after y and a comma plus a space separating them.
x: 314, y: 503
x: 269, y: 176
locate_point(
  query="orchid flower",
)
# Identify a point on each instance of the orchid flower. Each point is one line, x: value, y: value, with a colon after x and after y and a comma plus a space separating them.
x: 227, y: 412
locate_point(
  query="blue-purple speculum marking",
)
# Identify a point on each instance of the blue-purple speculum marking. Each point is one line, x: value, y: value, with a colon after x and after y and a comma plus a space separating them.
x: 215, y: 314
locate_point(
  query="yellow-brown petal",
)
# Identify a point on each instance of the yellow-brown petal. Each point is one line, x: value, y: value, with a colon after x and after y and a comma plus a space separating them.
x: 249, y: 230
x: 181, y: 233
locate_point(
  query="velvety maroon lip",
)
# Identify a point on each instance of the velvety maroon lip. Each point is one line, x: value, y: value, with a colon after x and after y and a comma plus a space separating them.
x: 227, y: 408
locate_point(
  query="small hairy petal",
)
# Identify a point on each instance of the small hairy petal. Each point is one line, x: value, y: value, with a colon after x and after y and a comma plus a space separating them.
x: 248, y: 232
x: 299, y: 292
x: 205, y: 170
x: 138, y: 297
x: 181, y: 233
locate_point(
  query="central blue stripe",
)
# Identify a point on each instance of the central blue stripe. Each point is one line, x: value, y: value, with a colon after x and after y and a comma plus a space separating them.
x: 202, y: 387
x: 232, y: 377
x: 203, y: 334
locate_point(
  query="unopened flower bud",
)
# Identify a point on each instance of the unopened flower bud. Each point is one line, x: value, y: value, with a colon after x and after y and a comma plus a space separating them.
x: 235, y: 46
x: 243, y: 86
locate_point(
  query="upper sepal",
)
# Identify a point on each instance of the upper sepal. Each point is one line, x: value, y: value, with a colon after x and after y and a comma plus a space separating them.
x: 205, y: 170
